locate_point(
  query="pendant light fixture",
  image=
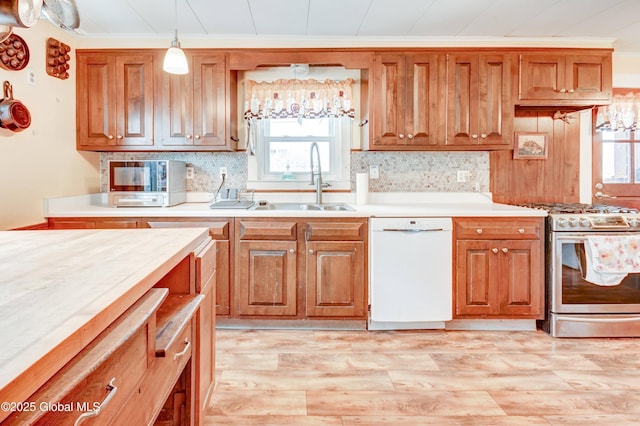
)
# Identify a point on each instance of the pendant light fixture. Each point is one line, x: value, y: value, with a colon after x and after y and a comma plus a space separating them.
x: 175, y: 61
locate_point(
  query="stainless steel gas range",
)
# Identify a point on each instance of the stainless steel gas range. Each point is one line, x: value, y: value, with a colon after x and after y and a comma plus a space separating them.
x: 584, y: 297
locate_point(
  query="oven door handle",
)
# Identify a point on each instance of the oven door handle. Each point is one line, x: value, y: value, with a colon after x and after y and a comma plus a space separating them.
x: 575, y: 318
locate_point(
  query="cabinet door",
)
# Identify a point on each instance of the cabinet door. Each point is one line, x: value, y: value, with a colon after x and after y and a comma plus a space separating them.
x: 209, y: 100
x: 176, y: 109
x: 476, y: 287
x: 462, y: 99
x: 406, y: 107
x: 335, y: 278
x: 479, y: 99
x: 542, y: 76
x: 495, y: 100
x: 96, y: 100
x: 589, y: 77
x: 266, y: 278
x: 521, y: 279
x: 389, y: 100
x: 134, y: 100
x: 572, y: 79
x: 422, y: 118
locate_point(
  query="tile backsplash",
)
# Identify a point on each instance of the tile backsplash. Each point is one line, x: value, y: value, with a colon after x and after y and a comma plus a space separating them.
x: 399, y: 171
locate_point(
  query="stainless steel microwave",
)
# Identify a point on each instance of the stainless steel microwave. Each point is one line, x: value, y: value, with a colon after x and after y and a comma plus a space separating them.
x: 148, y: 183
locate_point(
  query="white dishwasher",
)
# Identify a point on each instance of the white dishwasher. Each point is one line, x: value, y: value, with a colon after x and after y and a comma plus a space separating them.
x: 410, y: 273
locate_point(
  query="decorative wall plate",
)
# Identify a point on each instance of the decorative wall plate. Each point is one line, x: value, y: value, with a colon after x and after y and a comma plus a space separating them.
x: 14, y: 53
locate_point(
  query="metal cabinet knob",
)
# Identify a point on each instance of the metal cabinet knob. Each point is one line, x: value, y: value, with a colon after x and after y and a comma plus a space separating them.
x: 110, y: 137
x: 310, y: 251
x: 401, y: 135
x: 495, y: 250
x: 292, y: 251
x: 571, y: 90
x: 197, y: 136
x: 479, y: 231
x: 563, y: 90
x: 483, y: 136
x: 505, y: 250
x: 474, y: 136
x: 410, y: 136
x: 189, y: 136
x: 120, y: 137
x: 521, y: 231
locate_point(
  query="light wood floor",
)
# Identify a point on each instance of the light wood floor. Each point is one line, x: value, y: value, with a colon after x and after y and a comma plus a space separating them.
x: 286, y: 377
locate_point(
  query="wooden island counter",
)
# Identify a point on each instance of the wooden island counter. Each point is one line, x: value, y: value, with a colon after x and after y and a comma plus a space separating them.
x: 105, y: 325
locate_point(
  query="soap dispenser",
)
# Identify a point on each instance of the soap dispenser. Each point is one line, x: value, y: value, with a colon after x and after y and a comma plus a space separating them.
x: 287, y: 173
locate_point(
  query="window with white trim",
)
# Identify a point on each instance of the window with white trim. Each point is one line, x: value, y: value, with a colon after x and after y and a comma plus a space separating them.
x: 284, y: 117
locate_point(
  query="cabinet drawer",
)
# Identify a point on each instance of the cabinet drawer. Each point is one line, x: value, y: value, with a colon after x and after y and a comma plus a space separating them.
x: 205, y: 266
x: 334, y: 231
x: 498, y: 229
x: 218, y: 230
x: 174, y: 348
x: 106, y: 372
x: 255, y: 230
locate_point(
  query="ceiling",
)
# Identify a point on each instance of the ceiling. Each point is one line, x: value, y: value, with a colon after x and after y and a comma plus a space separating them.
x: 611, y: 21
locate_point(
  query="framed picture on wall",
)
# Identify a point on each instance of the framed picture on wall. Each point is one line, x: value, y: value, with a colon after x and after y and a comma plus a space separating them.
x: 530, y: 146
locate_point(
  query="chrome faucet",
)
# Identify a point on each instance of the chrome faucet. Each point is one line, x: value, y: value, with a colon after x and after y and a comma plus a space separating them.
x: 316, y: 177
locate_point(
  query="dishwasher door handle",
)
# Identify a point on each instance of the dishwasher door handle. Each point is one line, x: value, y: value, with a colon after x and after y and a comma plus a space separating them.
x: 411, y: 230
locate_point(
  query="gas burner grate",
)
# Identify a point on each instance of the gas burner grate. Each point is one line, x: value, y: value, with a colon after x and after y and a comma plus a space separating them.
x: 578, y: 208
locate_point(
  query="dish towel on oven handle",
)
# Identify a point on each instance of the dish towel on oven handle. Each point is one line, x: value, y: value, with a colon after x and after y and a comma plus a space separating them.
x: 610, y: 258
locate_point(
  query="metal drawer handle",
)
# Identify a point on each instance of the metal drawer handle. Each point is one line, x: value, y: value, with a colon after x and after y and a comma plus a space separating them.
x: 184, y: 351
x: 112, y: 389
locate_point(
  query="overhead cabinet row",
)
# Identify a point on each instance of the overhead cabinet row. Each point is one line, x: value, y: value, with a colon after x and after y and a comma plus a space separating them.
x: 466, y: 99
x: 126, y: 102
x: 416, y: 100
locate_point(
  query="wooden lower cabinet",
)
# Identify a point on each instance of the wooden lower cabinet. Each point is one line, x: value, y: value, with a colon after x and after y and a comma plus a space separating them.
x: 266, y: 280
x: 93, y: 223
x: 495, y: 277
x: 335, y: 279
x: 300, y: 268
x: 220, y: 230
x: 206, y: 275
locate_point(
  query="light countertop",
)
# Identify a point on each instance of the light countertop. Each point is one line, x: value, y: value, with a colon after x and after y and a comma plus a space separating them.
x: 430, y: 204
x: 60, y: 289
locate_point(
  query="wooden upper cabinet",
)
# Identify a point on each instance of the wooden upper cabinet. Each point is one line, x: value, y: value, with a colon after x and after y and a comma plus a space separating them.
x: 198, y: 109
x: 406, y: 111
x: 115, y: 101
x: 479, y: 101
x: 583, y: 78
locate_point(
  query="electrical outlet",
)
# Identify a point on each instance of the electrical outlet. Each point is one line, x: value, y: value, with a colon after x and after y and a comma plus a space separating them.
x: 223, y: 171
x: 463, y: 175
x: 190, y: 172
x: 374, y: 171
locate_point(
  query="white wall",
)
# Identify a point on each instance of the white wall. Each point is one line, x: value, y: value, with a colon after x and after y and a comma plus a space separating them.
x: 42, y: 161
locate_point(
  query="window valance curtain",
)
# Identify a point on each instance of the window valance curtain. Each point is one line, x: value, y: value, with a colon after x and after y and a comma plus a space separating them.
x: 622, y: 114
x: 298, y: 98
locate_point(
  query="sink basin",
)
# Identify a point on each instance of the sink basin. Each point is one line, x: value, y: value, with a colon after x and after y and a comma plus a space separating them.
x: 286, y: 206
x: 302, y: 206
x: 337, y: 207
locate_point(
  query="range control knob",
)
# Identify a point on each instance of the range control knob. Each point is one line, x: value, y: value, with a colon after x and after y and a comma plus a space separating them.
x: 585, y: 223
x: 573, y: 222
x: 562, y: 223
x: 634, y: 222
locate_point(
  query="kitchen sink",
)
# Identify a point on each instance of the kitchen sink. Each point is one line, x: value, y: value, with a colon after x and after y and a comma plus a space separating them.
x: 302, y: 206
